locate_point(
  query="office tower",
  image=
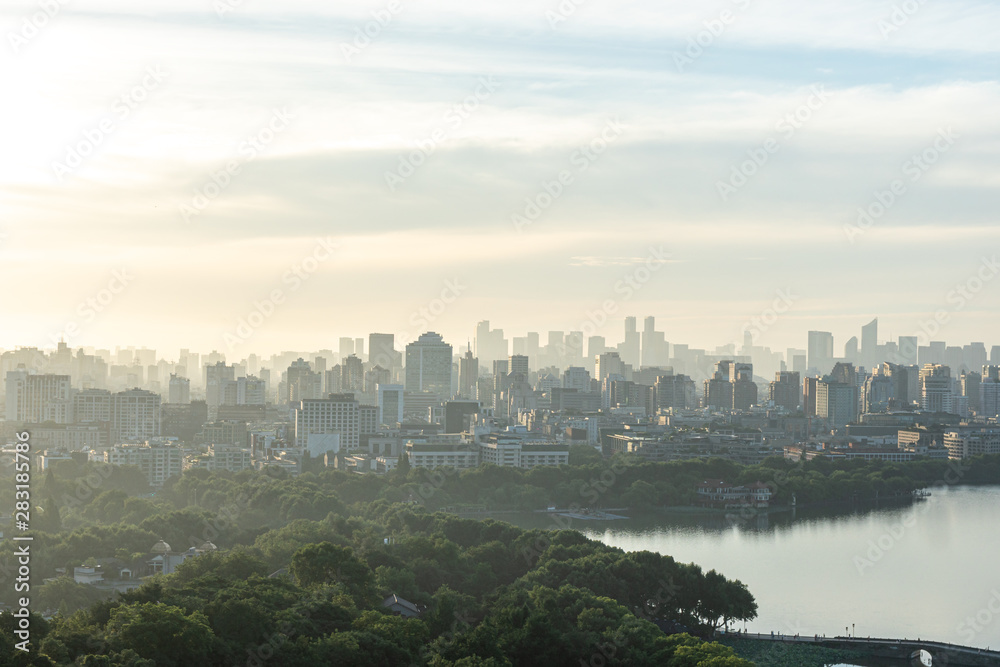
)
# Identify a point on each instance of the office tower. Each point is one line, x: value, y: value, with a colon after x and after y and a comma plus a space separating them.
x: 630, y: 348
x: 468, y: 377
x: 501, y: 380
x: 577, y: 378
x: 869, y: 344
x: 33, y: 399
x: 969, y: 385
x: 346, y: 347
x: 428, y: 366
x: 836, y: 402
x: 655, y: 351
x: 878, y: 393
x: 574, y: 348
x: 490, y: 344
x: 719, y: 390
x: 135, y: 416
x: 676, y: 392
x: 382, y: 351
x: 216, y: 376
x: 374, y: 377
x: 907, y: 349
x: 390, y: 404
x: 820, y: 351
x: 609, y: 363
x: 353, y: 374
x: 851, y: 350
x: 359, y: 348
x: 595, y: 346
x: 92, y: 406
x: 995, y: 355
x: 519, y: 365
x: 809, y: 390
x: 786, y: 390
x: 301, y: 382
x: 319, y: 364
x: 244, y: 391
x: 989, y: 391
x: 935, y: 388
x: 179, y: 390
x: 974, y: 356
x: 336, y: 415
x: 744, y: 388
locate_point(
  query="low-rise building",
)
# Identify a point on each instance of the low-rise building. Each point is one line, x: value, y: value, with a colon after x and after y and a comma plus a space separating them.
x: 719, y: 494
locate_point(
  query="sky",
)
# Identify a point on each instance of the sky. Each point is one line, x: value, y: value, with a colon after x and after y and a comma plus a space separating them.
x: 255, y: 176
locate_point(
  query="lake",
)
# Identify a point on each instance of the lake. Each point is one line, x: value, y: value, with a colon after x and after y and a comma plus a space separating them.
x: 930, y: 569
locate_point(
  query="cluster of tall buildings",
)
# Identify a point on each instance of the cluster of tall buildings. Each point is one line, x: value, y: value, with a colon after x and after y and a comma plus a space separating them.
x: 348, y: 401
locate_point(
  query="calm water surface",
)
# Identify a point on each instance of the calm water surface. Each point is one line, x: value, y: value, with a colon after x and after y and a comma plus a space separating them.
x: 929, y: 569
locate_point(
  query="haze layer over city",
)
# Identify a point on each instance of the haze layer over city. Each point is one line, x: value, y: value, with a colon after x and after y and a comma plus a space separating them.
x: 475, y: 334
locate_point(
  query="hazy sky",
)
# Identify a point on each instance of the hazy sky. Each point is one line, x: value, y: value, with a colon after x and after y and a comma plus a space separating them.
x: 116, y: 115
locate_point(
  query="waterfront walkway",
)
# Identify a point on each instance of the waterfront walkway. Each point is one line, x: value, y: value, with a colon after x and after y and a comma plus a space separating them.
x: 903, y: 649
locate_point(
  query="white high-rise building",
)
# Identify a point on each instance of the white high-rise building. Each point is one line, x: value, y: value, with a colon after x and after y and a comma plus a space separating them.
x: 338, y: 414
x: 92, y: 406
x: 936, y: 389
x: 135, y: 415
x: 33, y: 399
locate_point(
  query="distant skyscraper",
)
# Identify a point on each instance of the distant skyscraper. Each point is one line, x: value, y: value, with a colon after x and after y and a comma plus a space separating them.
x: 490, y: 343
x: 468, y: 377
x: 352, y: 374
x: 216, y: 376
x: 519, y: 364
x: 630, y: 348
x: 428, y: 366
x: 382, y: 351
x: 301, y: 382
x: 820, y: 351
x: 908, y: 348
x: 851, y: 352
x: 869, y: 344
x: 179, y: 391
x: 786, y: 390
